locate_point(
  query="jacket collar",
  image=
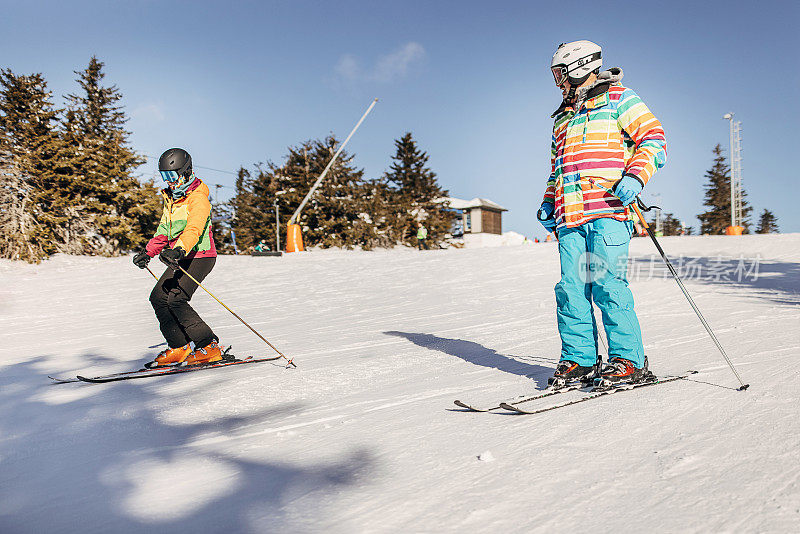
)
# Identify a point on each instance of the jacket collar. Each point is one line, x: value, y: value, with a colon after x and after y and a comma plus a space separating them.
x: 183, y: 191
x: 595, y: 96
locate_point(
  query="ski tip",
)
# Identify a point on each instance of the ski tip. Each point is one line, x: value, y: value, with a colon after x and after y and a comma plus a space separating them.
x: 469, y: 408
x: 508, y: 407
x: 57, y: 380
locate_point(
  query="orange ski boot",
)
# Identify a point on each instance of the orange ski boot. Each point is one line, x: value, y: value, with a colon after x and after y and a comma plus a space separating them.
x: 172, y: 356
x: 208, y: 354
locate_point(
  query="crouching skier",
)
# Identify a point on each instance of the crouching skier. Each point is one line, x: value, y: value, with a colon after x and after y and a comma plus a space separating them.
x: 606, y: 145
x: 183, y: 239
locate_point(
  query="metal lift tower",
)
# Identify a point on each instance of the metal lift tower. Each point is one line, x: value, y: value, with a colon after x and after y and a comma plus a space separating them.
x: 736, y: 170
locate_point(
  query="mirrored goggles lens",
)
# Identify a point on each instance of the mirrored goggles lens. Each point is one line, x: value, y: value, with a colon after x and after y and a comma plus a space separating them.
x: 559, y: 74
x: 170, y: 176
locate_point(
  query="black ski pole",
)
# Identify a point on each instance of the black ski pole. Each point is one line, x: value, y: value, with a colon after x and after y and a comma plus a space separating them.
x: 677, y: 278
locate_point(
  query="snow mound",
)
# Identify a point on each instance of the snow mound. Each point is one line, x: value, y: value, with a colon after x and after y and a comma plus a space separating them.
x: 486, y: 456
x: 482, y: 240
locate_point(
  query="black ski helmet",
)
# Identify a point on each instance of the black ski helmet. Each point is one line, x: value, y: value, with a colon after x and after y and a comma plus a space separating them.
x: 176, y: 159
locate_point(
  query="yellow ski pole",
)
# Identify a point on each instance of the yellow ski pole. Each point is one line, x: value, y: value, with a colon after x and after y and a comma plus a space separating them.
x: 192, y: 278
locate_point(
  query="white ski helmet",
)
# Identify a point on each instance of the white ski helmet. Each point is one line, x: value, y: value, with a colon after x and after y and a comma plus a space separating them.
x: 575, y: 61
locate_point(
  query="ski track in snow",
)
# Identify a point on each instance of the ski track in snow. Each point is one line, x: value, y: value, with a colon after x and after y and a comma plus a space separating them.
x: 364, y: 436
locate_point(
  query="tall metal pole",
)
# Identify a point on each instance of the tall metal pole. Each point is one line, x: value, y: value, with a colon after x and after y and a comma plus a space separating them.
x: 736, y: 178
x: 277, y: 226
x: 737, y: 164
x: 296, y: 214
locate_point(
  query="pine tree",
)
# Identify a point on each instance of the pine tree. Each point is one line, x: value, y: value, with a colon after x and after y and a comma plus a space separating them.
x: 767, y: 223
x: 337, y: 215
x: 17, y: 222
x: 119, y: 211
x: 718, y: 198
x: 670, y: 225
x: 246, y: 209
x: 333, y: 216
x: 412, y: 190
x: 32, y: 153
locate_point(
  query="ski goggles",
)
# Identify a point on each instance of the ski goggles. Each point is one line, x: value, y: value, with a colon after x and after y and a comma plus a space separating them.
x: 559, y: 74
x: 170, y: 176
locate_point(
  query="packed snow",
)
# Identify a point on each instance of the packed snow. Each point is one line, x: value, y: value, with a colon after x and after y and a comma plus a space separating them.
x: 363, y: 436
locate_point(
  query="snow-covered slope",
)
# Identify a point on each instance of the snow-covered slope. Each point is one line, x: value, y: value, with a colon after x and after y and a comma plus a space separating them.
x: 364, y: 436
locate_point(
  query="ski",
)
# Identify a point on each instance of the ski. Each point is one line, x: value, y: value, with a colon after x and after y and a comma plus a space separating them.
x: 596, y: 393
x: 57, y: 380
x: 160, y: 371
x: 549, y: 392
x: 174, y: 370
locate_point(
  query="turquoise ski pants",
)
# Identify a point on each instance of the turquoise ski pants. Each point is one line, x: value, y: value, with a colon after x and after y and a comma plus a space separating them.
x: 594, y: 264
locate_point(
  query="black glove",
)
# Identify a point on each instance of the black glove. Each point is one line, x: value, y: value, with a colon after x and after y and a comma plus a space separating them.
x: 141, y: 259
x: 171, y: 256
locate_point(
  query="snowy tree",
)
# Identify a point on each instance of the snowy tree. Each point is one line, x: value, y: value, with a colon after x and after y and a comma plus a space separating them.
x: 17, y: 223
x: 767, y: 223
x: 670, y: 225
x: 247, y: 210
x: 32, y: 154
x: 120, y: 213
x: 337, y: 215
x: 411, y: 189
x: 718, y: 198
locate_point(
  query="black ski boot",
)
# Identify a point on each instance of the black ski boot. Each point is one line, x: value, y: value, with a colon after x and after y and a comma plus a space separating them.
x: 568, y: 372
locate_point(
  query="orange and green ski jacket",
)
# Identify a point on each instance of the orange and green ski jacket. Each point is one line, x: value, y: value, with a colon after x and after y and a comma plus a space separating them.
x: 185, y: 223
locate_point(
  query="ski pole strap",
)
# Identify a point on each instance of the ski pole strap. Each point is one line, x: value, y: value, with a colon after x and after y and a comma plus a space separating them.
x: 644, y: 207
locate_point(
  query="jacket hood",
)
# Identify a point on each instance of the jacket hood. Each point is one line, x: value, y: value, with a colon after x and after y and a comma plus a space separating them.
x: 612, y: 75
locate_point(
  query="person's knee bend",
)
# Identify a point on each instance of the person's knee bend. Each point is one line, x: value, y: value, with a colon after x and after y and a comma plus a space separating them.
x: 176, y: 299
x: 158, y: 298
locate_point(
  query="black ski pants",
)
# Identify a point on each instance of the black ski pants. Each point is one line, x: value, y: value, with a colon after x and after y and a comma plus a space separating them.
x: 179, y: 323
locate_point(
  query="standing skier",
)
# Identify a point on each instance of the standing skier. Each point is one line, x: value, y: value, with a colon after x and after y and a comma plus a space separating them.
x: 604, y: 139
x: 422, y: 235
x: 183, y: 240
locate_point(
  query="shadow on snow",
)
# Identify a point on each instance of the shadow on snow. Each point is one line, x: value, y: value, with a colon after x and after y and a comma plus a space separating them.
x: 70, y: 465
x: 773, y: 280
x: 477, y: 354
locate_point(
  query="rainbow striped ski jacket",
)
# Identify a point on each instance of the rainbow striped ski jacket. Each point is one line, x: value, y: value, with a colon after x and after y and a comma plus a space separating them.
x: 185, y: 223
x: 611, y: 134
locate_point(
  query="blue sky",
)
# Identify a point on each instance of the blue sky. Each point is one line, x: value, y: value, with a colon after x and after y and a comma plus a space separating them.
x: 237, y: 82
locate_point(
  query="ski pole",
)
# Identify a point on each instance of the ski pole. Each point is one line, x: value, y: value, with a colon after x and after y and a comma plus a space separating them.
x: 192, y: 278
x: 677, y: 278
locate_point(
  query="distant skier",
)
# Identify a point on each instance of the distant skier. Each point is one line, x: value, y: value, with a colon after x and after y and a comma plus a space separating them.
x: 422, y: 236
x: 603, y: 137
x: 183, y: 239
